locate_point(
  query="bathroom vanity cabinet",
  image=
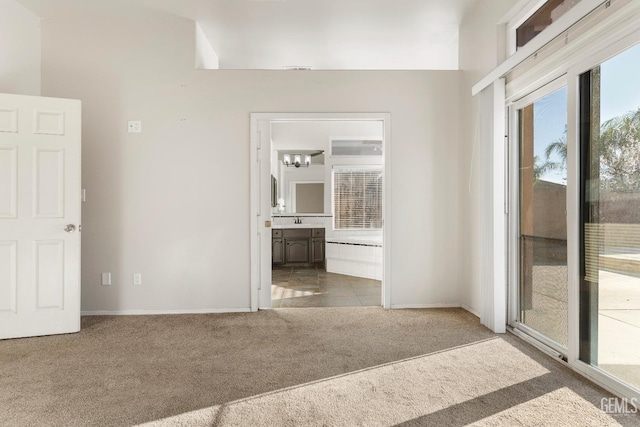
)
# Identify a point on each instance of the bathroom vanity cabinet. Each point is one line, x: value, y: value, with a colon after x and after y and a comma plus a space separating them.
x: 297, y: 246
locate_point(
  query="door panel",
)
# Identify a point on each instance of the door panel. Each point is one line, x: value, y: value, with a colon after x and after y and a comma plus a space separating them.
x: 8, y: 276
x: 49, y: 183
x: 297, y: 250
x: 543, y: 288
x: 317, y: 250
x: 610, y: 204
x: 278, y: 251
x: 8, y: 181
x: 40, y: 194
x: 49, y: 275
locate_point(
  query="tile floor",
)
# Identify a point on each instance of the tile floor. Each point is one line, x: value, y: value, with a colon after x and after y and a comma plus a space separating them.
x: 314, y: 287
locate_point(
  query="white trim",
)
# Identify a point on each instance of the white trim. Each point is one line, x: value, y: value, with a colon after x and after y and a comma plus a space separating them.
x: 161, y: 312
x: 541, y: 92
x: 573, y: 216
x: 563, y: 23
x: 549, y: 351
x: 256, y: 118
x: 500, y: 248
x: 595, y: 32
x: 386, y: 220
x: 513, y: 278
x: 494, y: 282
x: 413, y: 306
x: 470, y: 310
x: 253, y: 213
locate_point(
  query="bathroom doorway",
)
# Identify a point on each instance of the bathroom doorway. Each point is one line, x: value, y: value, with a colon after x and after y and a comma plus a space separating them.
x: 318, y: 193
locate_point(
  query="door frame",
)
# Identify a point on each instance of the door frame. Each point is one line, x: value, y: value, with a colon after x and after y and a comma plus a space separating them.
x: 513, y: 291
x: 586, y: 63
x: 260, y: 252
x: 619, y: 40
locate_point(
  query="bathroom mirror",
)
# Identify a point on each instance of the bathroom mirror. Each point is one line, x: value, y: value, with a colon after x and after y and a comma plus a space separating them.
x: 307, y: 197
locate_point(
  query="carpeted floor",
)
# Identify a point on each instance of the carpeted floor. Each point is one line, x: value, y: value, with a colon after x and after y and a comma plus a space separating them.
x: 317, y: 366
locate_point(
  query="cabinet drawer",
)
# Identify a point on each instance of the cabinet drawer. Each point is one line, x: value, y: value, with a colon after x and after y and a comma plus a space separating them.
x: 297, y: 232
x: 318, y: 232
x: 276, y: 234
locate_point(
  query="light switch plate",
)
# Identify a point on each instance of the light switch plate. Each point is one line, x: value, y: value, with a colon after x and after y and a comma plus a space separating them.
x: 137, y: 279
x: 106, y: 279
x: 134, y: 126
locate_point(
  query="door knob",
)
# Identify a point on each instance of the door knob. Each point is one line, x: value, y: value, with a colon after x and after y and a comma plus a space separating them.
x: 70, y: 228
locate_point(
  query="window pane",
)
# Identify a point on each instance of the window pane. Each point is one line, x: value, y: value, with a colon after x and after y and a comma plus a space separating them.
x: 543, y: 226
x: 541, y: 19
x: 357, y: 196
x: 610, y: 249
x: 359, y: 147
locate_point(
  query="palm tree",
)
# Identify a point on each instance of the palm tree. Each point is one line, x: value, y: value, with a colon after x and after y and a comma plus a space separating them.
x: 619, y: 148
x: 559, y: 147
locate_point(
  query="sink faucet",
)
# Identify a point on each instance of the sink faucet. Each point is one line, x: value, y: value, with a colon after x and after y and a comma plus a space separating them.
x: 297, y: 220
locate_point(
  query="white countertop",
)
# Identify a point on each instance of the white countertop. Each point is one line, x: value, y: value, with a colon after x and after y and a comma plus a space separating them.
x: 280, y: 226
x: 301, y: 215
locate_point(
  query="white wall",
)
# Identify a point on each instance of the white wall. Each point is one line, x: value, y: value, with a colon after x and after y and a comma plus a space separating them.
x: 172, y: 202
x: 19, y: 49
x: 478, y: 55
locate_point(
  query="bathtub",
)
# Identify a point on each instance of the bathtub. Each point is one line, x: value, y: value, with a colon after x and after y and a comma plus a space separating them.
x: 359, y: 256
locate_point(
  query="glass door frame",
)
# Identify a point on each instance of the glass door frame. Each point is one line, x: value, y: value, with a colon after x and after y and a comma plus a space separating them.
x: 574, y: 215
x: 569, y: 76
x: 513, y: 313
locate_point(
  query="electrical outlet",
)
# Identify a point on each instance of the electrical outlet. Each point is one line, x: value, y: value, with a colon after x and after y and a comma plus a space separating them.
x: 106, y: 279
x: 137, y: 279
x: 134, y: 126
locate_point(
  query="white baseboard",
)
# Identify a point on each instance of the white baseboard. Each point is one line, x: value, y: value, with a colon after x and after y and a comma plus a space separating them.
x: 406, y: 306
x: 157, y: 312
x: 470, y: 310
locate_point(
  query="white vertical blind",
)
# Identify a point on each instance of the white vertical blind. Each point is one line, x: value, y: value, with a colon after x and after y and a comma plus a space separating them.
x: 357, y: 196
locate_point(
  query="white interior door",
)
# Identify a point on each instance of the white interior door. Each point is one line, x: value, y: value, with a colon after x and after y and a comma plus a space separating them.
x: 40, y: 202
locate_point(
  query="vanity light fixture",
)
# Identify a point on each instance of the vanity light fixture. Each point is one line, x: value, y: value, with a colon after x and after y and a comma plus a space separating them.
x: 297, y: 160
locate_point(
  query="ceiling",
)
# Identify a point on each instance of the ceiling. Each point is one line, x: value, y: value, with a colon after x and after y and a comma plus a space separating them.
x: 321, y: 34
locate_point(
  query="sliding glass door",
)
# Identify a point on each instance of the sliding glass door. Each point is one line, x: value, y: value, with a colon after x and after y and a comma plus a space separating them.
x: 610, y: 215
x: 542, y: 225
x: 574, y: 205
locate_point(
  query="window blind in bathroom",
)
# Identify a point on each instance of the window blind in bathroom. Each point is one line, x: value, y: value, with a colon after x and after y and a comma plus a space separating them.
x: 357, y: 196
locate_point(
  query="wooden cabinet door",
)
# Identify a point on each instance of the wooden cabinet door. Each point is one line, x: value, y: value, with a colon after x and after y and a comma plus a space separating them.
x: 277, y: 251
x: 297, y: 250
x: 317, y: 250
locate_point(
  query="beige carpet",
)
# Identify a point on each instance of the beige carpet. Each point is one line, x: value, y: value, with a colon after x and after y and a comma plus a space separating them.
x: 316, y: 366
